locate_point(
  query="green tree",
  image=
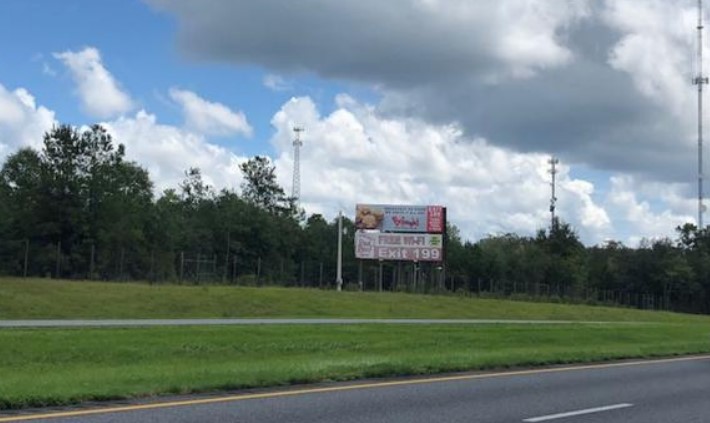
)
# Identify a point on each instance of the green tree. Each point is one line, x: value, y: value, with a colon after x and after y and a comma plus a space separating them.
x: 261, y: 189
x: 455, y: 256
x: 167, y: 224
x: 198, y: 210
x: 607, y: 267
x: 566, y: 269
x: 123, y: 220
x: 20, y: 184
x: 318, y: 248
x: 77, y: 192
x: 695, y: 246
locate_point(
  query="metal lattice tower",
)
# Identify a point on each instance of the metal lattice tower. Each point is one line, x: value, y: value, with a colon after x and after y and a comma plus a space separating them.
x: 553, y: 199
x: 700, y: 80
x: 297, y: 143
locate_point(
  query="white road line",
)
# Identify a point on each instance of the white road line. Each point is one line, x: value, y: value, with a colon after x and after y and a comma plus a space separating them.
x: 577, y: 413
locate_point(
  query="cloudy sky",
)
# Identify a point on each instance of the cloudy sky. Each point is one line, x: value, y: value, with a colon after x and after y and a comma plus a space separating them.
x: 452, y: 102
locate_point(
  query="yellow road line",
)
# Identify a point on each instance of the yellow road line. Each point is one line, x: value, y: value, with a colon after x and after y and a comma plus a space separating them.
x: 242, y: 397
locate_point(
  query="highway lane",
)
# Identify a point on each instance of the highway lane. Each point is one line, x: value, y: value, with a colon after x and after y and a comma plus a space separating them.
x: 674, y: 390
x: 59, y: 323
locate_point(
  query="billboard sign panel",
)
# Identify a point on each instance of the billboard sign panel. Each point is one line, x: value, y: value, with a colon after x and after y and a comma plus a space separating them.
x: 394, y: 218
x: 402, y: 246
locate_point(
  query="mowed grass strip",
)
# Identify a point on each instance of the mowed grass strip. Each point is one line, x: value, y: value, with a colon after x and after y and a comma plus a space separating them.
x: 52, y: 299
x: 62, y: 366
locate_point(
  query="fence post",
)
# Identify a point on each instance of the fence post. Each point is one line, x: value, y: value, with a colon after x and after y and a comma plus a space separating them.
x: 234, y: 269
x: 182, y: 264
x: 226, y: 267
x: 152, y: 266
x: 400, y: 276
x: 120, y: 266
x: 394, y: 279
x: 59, y: 259
x: 27, y: 254
x: 303, y: 276
x: 91, y: 262
x: 281, y: 271
x: 226, y: 259
x: 258, y: 271
x: 320, y: 276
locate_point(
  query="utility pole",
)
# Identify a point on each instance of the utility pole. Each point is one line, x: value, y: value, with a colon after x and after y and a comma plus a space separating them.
x: 553, y: 199
x: 700, y: 80
x: 339, y: 268
x: 297, y: 143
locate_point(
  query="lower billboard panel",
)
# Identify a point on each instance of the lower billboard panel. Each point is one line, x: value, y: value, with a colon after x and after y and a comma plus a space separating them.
x: 406, y: 247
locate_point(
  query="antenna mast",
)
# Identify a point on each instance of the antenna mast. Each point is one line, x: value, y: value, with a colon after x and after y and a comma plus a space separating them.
x: 297, y: 143
x: 700, y: 80
x: 553, y: 199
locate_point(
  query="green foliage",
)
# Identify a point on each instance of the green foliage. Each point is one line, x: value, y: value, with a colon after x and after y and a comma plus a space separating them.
x: 79, y: 210
x: 20, y: 184
x: 80, y: 195
x: 261, y: 189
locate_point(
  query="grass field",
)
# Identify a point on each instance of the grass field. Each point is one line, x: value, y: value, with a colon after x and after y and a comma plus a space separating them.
x: 50, y: 367
x: 42, y: 298
x: 60, y: 366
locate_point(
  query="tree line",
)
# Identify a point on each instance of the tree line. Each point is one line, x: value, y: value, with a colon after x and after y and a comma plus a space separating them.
x: 77, y: 208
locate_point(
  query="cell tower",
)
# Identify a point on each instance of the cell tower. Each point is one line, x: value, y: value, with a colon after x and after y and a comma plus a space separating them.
x: 700, y: 80
x: 553, y: 199
x: 297, y: 143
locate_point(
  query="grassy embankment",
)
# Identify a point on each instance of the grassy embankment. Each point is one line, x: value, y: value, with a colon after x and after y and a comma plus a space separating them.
x: 42, y: 367
x: 49, y: 299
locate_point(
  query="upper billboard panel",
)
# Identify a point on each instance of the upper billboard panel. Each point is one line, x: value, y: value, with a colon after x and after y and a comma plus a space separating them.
x: 394, y: 218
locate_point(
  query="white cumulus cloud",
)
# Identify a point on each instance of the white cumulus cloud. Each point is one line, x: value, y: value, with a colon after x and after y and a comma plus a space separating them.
x: 167, y: 152
x: 100, y: 94
x: 210, y: 118
x: 356, y: 155
x: 22, y: 122
x: 641, y: 210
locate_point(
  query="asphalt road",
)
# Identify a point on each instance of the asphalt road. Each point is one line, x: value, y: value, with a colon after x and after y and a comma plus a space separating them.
x: 196, y: 322
x: 675, y: 390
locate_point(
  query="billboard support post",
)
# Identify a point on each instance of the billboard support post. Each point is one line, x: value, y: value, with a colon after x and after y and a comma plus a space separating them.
x: 379, y: 284
x: 415, y: 273
x: 359, y: 276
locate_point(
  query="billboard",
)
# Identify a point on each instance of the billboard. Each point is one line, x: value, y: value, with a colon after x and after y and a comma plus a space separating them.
x: 394, y: 218
x: 401, y: 246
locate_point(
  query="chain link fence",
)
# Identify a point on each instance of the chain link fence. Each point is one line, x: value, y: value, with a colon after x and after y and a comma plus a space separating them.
x: 23, y: 258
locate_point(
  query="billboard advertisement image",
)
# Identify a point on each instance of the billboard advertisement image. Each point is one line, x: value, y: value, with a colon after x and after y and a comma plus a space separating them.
x: 395, y: 218
x: 400, y: 246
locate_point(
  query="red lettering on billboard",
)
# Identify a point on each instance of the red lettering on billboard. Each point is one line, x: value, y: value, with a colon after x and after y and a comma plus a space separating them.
x: 435, y: 219
x: 402, y: 222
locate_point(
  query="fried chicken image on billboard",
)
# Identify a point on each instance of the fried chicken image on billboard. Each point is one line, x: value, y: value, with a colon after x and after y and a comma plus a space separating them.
x: 368, y: 217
